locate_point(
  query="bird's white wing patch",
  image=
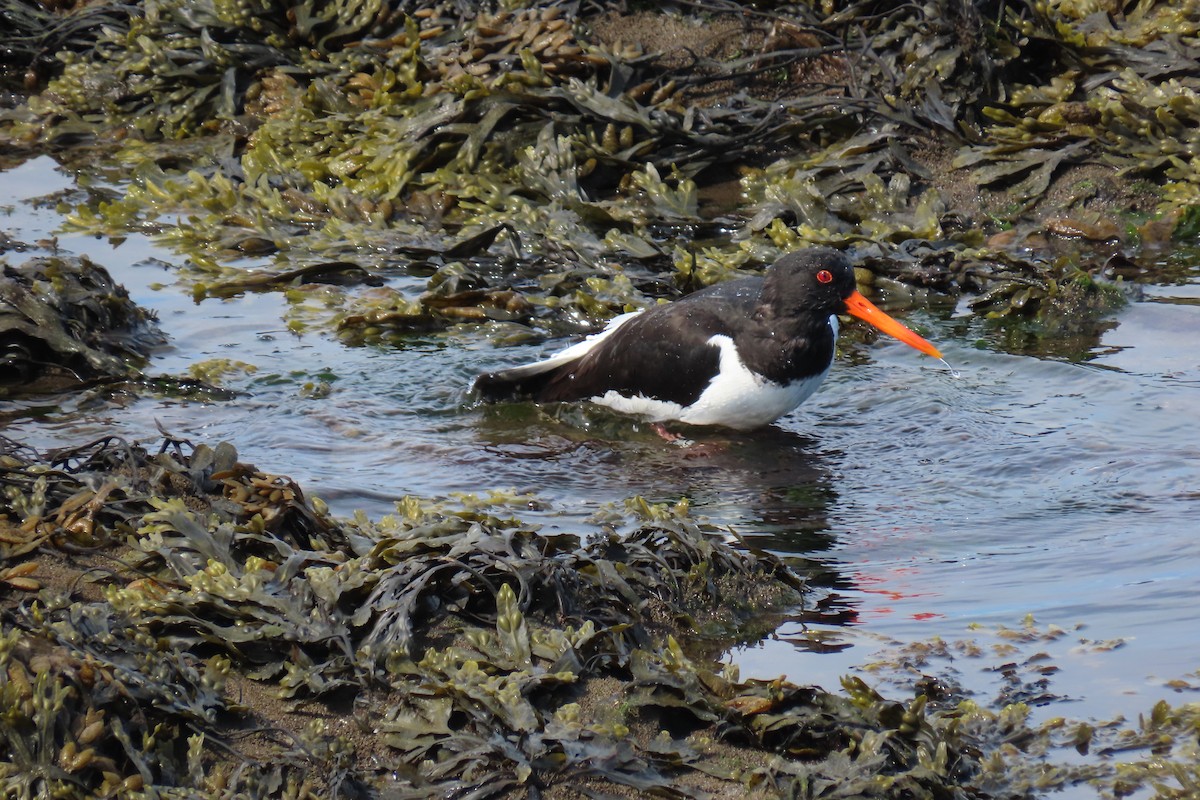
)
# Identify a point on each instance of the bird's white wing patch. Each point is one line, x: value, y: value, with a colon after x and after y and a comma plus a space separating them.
x: 738, y: 398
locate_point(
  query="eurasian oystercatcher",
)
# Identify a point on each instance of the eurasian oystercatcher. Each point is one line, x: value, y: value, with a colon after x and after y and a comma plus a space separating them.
x: 739, y: 354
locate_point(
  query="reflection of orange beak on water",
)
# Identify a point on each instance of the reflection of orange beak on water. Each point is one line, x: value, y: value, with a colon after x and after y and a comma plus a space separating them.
x: 894, y: 585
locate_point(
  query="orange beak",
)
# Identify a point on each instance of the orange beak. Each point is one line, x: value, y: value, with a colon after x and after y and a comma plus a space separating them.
x: 867, y: 311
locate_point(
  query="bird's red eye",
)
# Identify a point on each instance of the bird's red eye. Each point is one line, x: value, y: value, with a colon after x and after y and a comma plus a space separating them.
x: 825, y: 276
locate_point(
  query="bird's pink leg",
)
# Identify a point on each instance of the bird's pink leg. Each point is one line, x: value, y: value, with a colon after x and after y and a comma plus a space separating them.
x: 662, y: 431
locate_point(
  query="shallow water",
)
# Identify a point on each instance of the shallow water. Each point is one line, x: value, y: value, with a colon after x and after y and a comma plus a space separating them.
x: 921, y: 500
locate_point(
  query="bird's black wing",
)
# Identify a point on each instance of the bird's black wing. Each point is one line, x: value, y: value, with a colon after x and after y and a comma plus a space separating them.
x: 664, y: 353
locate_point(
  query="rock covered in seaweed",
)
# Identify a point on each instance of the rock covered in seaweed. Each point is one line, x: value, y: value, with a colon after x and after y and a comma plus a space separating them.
x: 64, y: 322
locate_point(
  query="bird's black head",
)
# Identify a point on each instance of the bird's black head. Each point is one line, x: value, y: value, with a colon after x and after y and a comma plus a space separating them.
x: 815, y: 281
x: 804, y: 288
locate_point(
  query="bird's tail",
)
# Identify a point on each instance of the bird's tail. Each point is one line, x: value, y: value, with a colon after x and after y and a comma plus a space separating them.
x: 544, y: 381
x: 527, y: 382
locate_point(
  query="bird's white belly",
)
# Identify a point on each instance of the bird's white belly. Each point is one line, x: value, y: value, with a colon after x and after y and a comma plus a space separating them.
x: 735, y: 397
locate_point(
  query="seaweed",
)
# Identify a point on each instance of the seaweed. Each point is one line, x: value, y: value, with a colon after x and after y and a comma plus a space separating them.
x: 453, y: 648
x: 356, y: 143
x: 219, y: 569
x: 65, y: 322
x: 1117, y: 90
x: 532, y: 167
